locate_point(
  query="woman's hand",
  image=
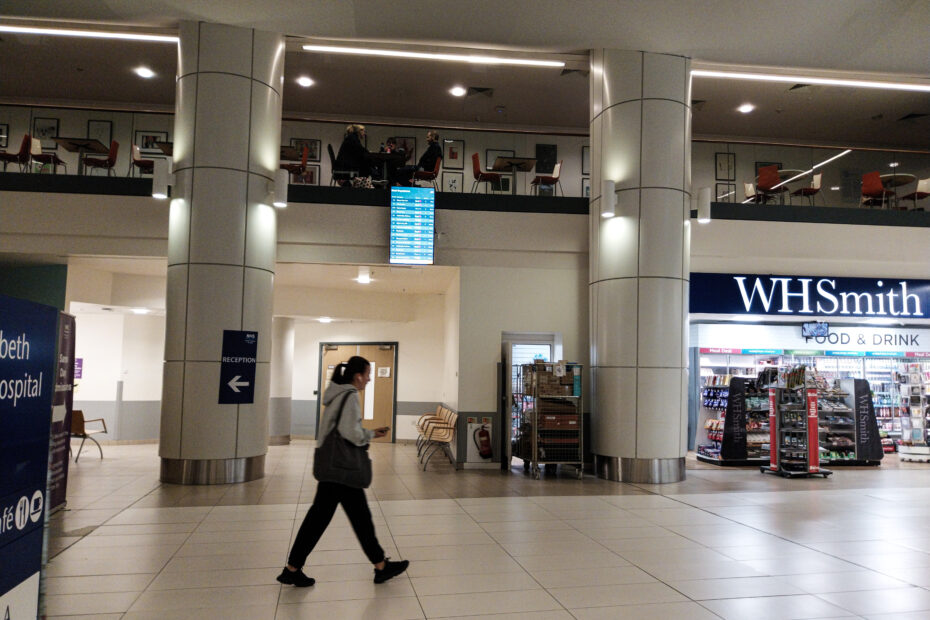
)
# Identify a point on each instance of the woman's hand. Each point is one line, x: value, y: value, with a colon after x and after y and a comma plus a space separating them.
x: 381, y: 432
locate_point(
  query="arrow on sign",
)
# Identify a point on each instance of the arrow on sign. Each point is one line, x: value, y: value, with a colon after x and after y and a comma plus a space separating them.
x: 235, y: 384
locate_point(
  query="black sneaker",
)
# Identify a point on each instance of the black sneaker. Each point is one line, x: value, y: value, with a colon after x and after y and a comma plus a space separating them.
x: 391, y: 569
x: 295, y: 578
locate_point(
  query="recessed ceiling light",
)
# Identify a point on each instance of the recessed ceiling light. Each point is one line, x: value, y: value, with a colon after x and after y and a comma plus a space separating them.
x: 478, y: 60
x: 325, y: 319
x: 893, y: 164
x: 140, y: 310
x: 457, y: 91
x: 304, y: 81
x: 746, y: 108
x: 144, y: 72
x: 835, y: 188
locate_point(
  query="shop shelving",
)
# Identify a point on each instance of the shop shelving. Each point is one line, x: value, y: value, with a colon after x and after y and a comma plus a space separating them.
x: 913, y: 384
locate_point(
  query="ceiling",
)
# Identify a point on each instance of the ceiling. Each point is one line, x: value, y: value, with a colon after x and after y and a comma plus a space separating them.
x: 854, y: 38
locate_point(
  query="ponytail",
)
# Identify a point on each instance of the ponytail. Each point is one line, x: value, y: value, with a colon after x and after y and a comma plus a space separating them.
x: 345, y: 372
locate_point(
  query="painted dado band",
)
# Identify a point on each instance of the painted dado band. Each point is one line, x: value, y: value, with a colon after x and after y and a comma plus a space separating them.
x: 641, y: 471
x: 212, y: 471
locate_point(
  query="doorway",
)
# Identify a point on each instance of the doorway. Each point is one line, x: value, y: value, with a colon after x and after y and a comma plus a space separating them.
x: 378, y: 399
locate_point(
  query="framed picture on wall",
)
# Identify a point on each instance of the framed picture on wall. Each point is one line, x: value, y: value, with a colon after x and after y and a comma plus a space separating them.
x: 452, y: 181
x: 45, y: 129
x: 725, y: 166
x: 313, y: 147
x: 453, y: 156
x: 725, y: 192
x: 586, y: 160
x: 586, y: 187
x: 147, y: 141
x: 503, y: 186
x: 102, y: 131
x: 546, y: 156
x: 410, y: 147
x: 490, y: 155
x: 4, y: 135
x: 310, y: 176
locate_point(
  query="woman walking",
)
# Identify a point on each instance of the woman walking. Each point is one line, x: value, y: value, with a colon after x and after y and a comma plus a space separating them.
x: 341, y: 401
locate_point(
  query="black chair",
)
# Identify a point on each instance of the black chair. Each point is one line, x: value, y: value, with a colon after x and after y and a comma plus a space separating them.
x: 339, y: 176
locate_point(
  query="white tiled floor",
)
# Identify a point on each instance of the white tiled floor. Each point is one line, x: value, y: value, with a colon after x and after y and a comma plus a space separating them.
x: 726, y: 543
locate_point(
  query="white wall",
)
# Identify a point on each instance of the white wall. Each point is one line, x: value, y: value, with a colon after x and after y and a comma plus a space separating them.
x: 99, y: 342
x: 142, y: 358
x: 451, y: 327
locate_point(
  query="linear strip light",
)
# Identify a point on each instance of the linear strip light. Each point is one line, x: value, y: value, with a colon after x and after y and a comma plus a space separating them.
x: 479, y: 60
x: 807, y: 79
x: 92, y: 34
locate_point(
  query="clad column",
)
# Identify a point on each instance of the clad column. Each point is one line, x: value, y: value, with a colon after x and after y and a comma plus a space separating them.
x: 221, y: 248
x: 282, y: 379
x: 639, y: 264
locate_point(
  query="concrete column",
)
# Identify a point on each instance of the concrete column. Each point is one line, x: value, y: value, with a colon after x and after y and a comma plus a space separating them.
x: 282, y: 378
x: 221, y: 248
x: 639, y: 264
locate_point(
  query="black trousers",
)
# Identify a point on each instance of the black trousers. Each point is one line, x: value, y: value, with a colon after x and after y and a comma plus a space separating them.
x: 328, y: 496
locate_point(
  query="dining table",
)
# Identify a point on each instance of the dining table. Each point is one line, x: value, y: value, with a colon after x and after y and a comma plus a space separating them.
x: 81, y: 146
x: 514, y: 165
x: 896, y: 179
x: 380, y: 160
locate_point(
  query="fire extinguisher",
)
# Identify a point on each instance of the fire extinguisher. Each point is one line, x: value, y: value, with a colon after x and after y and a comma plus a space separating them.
x: 482, y: 439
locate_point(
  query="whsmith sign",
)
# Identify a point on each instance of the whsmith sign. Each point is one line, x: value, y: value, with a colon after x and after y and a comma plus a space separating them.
x: 805, y: 296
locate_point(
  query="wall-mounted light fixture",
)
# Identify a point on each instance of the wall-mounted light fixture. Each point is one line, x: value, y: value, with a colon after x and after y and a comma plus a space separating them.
x: 281, y: 178
x: 703, y: 205
x: 364, y: 275
x: 608, y: 198
x: 161, y: 179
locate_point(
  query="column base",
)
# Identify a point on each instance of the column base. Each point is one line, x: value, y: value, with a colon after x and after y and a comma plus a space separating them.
x: 640, y: 471
x: 279, y: 440
x: 212, y: 471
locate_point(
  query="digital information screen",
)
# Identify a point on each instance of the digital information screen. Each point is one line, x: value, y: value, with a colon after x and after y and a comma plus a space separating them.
x: 413, y: 218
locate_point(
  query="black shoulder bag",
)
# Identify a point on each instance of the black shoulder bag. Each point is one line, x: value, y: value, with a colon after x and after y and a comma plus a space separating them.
x: 341, y: 461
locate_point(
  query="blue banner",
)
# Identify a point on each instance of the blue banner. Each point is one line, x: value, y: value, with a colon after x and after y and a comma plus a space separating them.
x: 28, y: 334
x: 809, y: 296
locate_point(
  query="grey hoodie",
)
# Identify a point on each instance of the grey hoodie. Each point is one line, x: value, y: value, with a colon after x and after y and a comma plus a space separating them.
x: 350, y: 423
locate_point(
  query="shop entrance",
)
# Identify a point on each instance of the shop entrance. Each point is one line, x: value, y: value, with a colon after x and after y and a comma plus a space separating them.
x: 378, y: 399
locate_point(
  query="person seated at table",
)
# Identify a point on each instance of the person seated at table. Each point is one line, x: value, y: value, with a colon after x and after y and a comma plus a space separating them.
x: 352, y: 156
x: 390, y: 146
x: 427, y: 161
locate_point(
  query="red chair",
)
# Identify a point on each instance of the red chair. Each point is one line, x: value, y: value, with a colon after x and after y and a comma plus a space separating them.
x: 873, y: 192
x: 103, y: 164
x: 297, y: 170
x: 430, y: 175
x: 813, y: 190
x: 46, y: 159
x: 552, y: 180
x: 145, y: 166
x: 481, y: 176
x: 922, y: 191
x: 23, y: 157
x: 768, y: 179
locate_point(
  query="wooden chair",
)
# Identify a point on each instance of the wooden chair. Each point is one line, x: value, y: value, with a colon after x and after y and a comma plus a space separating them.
x: 78, y: 429
x: 144, y: 166
x: 440, y: 437
x: 103, y: 164
x: 813, y: 190
x: 552, y: 179
x: 297, y: 170
x: 46, y: 159
x: 22, y: 157
x: 922, y: 191
x: 768, y: 179
x: 429, y: 175
x: 873, y: 192
x: 481, y: 176
x: 427, y: 421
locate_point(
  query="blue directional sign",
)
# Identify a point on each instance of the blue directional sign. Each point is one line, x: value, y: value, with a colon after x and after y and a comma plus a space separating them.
x: 237, y: 367
x: 28, y: 333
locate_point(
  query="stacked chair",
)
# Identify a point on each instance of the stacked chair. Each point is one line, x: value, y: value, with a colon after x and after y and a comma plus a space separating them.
x: 436, y: 432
